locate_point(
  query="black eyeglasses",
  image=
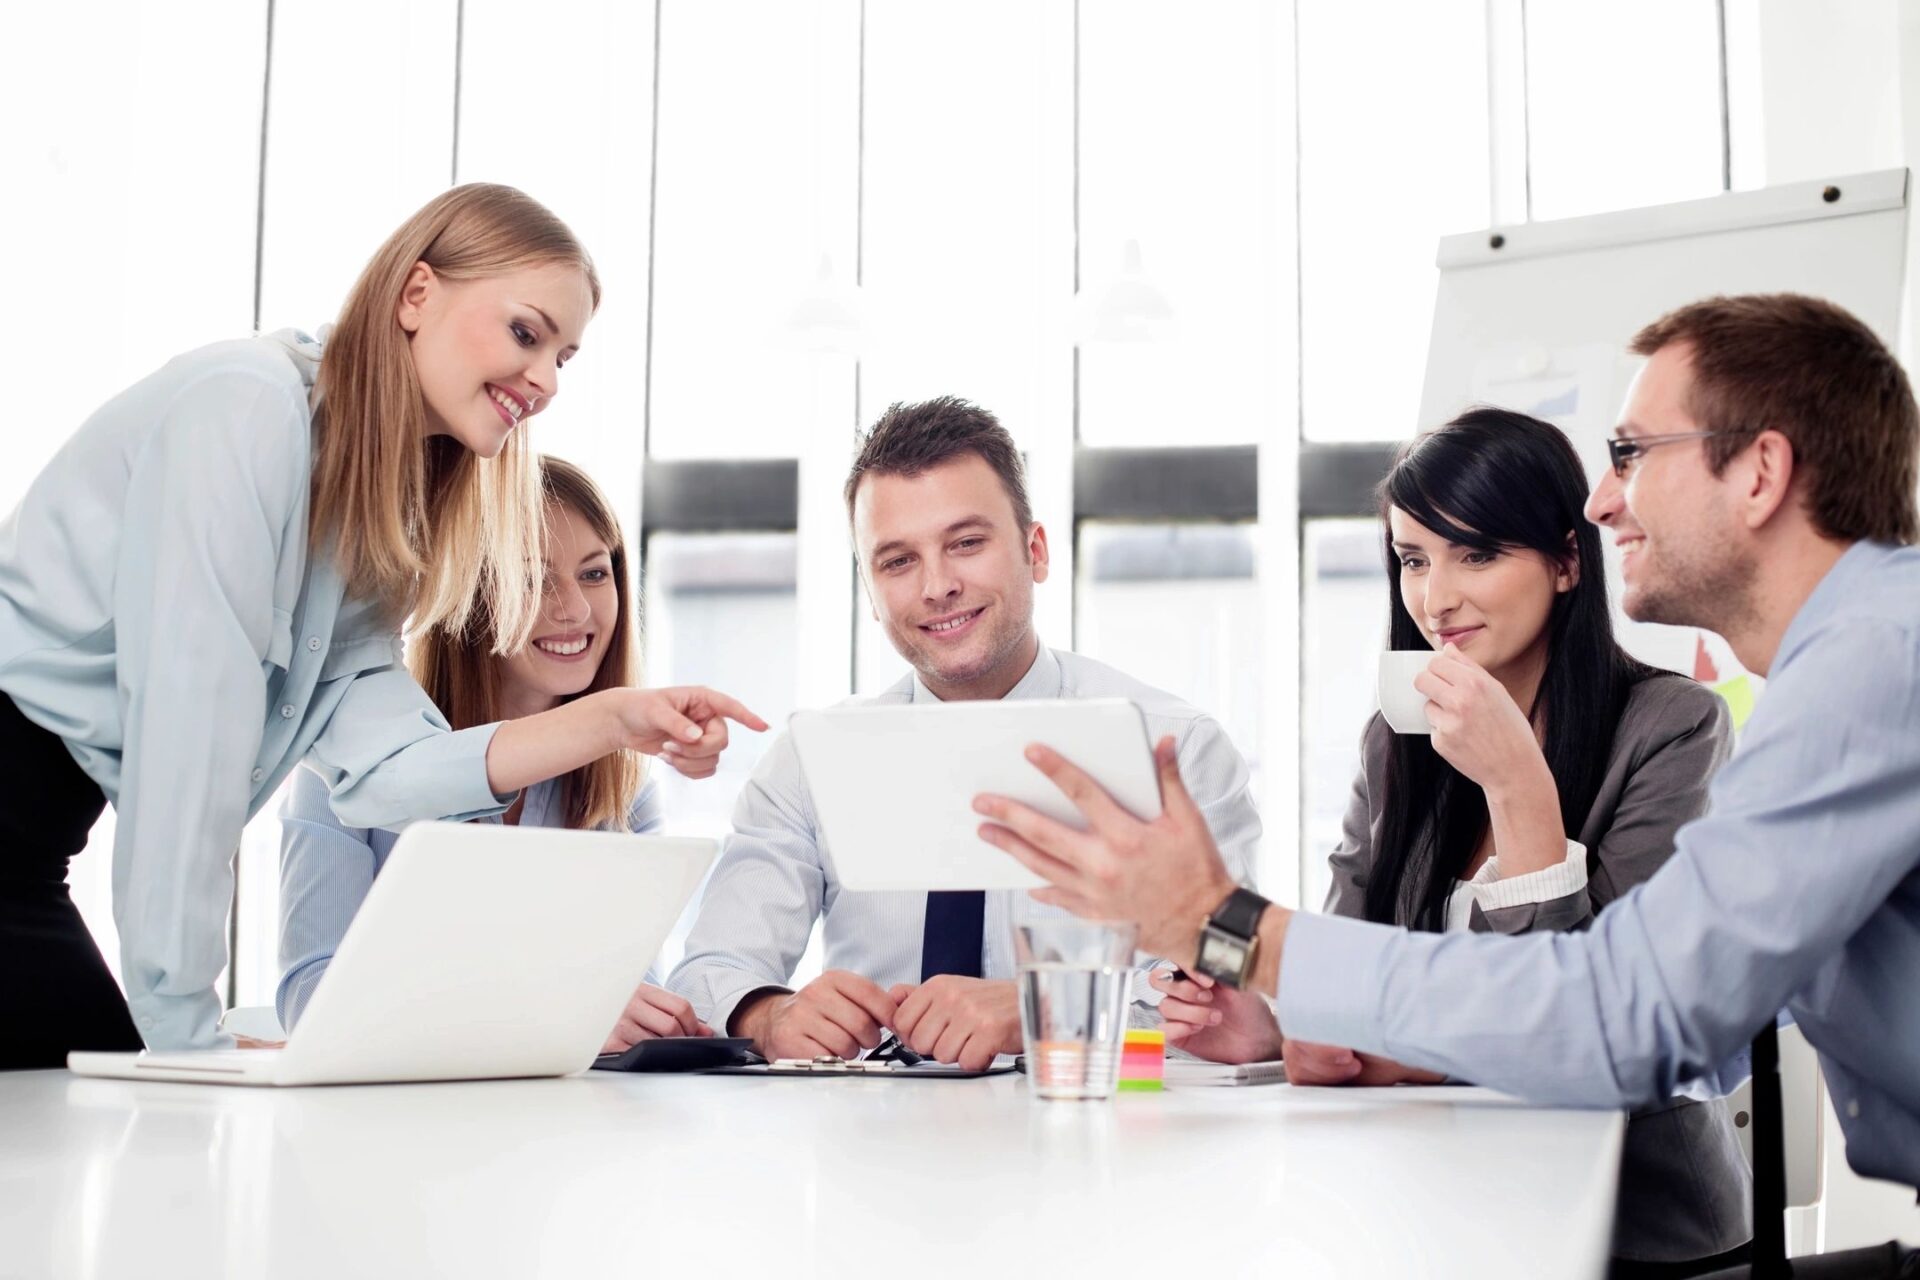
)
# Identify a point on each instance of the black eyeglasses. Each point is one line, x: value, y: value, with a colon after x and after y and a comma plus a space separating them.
x: 1622, y: 450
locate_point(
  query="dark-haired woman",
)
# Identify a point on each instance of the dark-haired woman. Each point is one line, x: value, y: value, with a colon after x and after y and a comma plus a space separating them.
x: 1556, y: 775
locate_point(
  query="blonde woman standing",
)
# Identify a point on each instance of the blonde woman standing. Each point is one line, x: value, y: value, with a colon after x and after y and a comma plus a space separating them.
x: 584, y: 641
x: 205, y: 586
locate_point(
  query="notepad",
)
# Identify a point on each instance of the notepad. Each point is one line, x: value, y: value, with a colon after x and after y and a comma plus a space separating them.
x: 1143, y: 1061
x: 1192, y: 1074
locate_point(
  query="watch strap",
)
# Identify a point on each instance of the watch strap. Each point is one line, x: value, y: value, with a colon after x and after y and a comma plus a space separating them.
x: 1240, y: 914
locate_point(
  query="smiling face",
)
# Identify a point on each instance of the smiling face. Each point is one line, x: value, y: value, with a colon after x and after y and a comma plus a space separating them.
x: 950, y: 574
x: 1674, y: 520
x: 1493, y: 605
x: 488, y: 352
x: 580, y: 609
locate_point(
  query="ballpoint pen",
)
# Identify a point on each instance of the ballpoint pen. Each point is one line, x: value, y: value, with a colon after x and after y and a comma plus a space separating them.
x: 894, y: 1049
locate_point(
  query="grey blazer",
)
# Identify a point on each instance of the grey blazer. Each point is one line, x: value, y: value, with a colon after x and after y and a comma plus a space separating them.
x: 1684, y: 1190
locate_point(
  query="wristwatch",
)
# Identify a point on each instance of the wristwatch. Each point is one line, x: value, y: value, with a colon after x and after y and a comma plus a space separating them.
x: 1230, y: 937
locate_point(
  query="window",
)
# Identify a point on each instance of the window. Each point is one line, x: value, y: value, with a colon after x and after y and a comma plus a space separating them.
x: 1344, y: 627
x: 877, y: 665
x: 717, y: 607
x: 559, y: 108
x: 719, y: 610
x: 1178, y: 606
x: 1623, y: 104
x: 1182, y: 151
x: 1379, y: 184
x: 255, y: 961
x: 121, y: 276
x: 756, y: 181
x: 967, y: 225
x: 346, y: 168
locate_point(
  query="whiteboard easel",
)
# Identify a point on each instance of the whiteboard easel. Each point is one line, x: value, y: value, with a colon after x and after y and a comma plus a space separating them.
x: 1537, y: 318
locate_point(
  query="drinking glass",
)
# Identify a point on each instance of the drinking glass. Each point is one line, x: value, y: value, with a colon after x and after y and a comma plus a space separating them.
x: 1076, y: 980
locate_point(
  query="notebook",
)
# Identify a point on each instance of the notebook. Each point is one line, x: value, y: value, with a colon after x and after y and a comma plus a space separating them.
x: 1191, y: 1073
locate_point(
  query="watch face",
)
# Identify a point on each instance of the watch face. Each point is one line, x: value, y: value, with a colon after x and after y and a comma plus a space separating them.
x: 1221, y: 955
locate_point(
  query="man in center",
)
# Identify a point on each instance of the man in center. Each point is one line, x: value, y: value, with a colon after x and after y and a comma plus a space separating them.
x: 949, y: 554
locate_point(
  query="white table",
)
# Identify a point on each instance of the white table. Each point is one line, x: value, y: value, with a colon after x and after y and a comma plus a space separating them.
x: 679, y: 1176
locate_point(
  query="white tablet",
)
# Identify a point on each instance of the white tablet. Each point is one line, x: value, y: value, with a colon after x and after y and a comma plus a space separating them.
x: 893, y: 787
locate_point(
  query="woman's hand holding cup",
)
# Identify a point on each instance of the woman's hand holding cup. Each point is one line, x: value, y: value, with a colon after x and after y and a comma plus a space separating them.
x: 1477, y: 726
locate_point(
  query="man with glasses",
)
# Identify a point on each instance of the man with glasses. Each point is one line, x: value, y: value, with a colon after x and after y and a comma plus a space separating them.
x: 1763, y: 486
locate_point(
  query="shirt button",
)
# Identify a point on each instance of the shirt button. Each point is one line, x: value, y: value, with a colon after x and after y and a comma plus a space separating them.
x: 313, y: 644
x: 1853, y: 1108
x: 286, y: 712
x: 259, y: 774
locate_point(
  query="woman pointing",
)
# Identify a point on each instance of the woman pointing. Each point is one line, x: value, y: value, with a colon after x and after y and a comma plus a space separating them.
x: 205, y: 587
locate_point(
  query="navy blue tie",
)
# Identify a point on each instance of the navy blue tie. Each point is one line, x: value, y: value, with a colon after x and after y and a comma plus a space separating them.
x: 956, y: 924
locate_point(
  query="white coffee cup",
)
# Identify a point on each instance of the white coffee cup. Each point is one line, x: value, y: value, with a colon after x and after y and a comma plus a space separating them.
x: 1404, y: 706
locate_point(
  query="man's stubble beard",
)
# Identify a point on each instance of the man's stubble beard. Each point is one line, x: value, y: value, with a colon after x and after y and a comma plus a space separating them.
x: 1711, y: 588
x: 1004, y: 647
x: 1010, y: 623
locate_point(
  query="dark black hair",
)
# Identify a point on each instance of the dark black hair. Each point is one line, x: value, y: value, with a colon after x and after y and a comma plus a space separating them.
x: 1496, y: 480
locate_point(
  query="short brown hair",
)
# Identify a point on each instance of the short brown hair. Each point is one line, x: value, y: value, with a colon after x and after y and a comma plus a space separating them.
x: 911, y: 439
x: 1813, y: 372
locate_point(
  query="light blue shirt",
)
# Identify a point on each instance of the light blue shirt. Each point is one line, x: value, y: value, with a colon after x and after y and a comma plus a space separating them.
x: 327, y: 867
x: 774, y: 877
x: 1800, y: 888
x: 158, y: 612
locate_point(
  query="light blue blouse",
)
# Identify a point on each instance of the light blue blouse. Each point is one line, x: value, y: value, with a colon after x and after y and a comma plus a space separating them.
x: 159, y: 612
x: 327, y: 867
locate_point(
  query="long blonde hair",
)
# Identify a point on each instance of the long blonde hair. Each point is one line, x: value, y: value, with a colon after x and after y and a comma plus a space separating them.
x: 419, y: 522
x: 462, y: 677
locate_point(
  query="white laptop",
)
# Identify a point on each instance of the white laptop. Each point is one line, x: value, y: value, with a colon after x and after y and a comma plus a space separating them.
x: 481, y: 952
x: 893, y: 786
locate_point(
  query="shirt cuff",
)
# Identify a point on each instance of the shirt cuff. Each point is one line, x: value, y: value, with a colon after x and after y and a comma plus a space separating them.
x: 179, y: 1022
x: 1564, y: 879
x: 465, y: 768
x: 296, y: 988
x: 443, y: 775
x: 727, y: 993
x: 1144, y: 993
x: 1330, y: 980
